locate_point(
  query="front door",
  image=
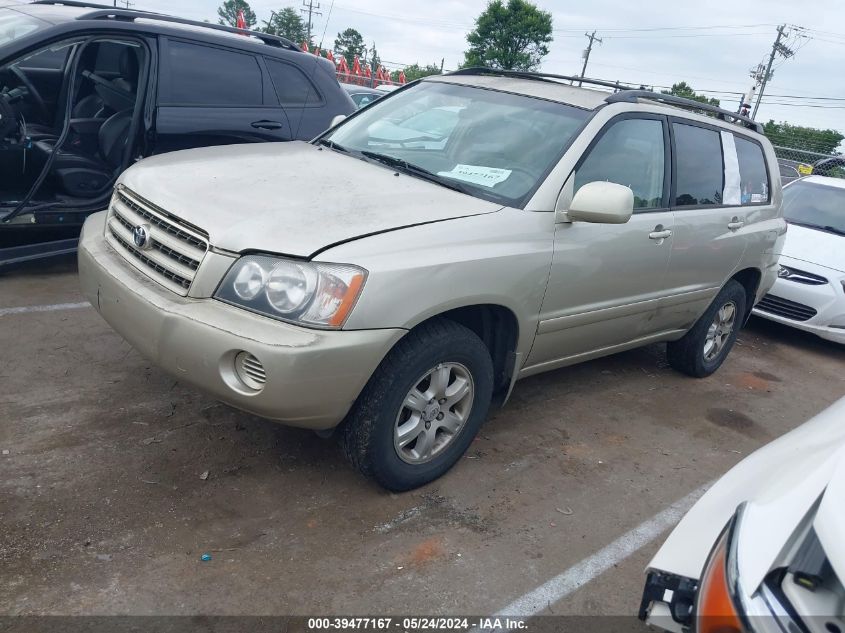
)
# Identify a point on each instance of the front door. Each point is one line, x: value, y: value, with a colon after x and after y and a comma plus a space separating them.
x: 606, y: 280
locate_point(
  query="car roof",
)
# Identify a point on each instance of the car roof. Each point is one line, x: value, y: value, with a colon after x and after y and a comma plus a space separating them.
x: 824, y: 180
x: 89, y: 15
x: 550, y: 90
x: 354, y: 89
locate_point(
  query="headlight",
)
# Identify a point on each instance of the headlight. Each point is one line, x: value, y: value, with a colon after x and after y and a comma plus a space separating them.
x: 310, y: 293
x: 716, y: 608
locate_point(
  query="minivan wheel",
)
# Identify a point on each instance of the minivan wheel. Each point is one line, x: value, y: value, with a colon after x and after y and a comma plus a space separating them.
x: 422, y: 407
x: 704, y: 348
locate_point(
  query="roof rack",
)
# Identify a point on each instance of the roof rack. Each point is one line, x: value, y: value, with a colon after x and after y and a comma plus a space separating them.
x: 622, y: 93
x: 631, y: 96
x: 104, y: 12
x: 525, y: 74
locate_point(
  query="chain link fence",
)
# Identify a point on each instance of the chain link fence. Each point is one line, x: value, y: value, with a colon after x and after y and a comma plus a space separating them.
x: 796, y: 163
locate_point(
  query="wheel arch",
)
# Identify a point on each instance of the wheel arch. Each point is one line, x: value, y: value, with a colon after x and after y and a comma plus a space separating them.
x: 749, y: 278
x: 498, y: 328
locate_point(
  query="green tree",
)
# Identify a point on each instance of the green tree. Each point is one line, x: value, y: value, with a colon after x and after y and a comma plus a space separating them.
x: 683, y: 89
x: 349, y: 44
x: 798, y: 137
x: 228, y: 13
x: 512, y: 36
x: 415, y: 71
x: 286, y: 23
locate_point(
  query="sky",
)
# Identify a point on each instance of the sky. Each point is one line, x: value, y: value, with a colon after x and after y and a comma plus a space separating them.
x: 710, y: 45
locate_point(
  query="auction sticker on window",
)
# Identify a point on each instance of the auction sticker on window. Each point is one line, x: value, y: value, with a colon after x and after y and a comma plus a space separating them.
x: 477, y: 174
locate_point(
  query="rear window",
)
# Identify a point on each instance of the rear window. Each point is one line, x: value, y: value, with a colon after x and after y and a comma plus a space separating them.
x: 291, y: 84
x: 754, y: 179
x: 203, y: 75
x: 699, y: 169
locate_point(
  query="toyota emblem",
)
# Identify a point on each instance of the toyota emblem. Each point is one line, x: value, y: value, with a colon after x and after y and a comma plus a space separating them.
x: 141, y: 236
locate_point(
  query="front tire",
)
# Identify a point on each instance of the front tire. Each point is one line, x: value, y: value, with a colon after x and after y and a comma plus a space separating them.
x: 705, y: 347
x: 422, y: 407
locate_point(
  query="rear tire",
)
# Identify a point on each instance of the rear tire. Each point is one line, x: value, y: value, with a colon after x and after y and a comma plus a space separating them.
x: 421, y: 408
x: 704, y: 348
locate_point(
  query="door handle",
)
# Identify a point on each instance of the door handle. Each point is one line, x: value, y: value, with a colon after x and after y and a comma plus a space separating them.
x: 267, y: 125
x: 735, y: 224
x: 659, y: 234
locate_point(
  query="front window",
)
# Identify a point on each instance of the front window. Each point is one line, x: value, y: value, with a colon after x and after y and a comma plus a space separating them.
x: 815, y: 206
x: 15, y: 25
x: 489, y: 144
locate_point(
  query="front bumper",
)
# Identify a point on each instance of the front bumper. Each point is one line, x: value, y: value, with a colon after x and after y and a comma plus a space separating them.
x: 312, y: 377
x: 828, y: 300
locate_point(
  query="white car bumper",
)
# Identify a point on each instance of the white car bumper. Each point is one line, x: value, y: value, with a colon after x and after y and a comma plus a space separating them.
x: 814, y: 302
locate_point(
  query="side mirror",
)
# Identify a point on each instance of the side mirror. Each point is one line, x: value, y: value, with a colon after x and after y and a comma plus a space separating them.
x: 602, y: 203
x: 337, y: 119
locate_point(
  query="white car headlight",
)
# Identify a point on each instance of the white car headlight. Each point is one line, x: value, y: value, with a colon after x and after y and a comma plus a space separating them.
x: 309, y: 293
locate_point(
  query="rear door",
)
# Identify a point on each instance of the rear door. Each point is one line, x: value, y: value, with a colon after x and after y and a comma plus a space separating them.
x: 711, y: 203
x: 212, y: 95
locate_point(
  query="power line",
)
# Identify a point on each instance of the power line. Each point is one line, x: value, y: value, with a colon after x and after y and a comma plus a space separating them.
x: 310, y: 9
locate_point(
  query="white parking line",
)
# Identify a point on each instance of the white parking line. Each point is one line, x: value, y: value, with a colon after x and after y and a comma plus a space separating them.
x: 557, y: 588
x: 49, y: 308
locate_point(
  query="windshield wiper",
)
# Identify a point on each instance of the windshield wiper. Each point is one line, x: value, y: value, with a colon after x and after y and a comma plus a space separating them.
x: 331, y: 144
x: 415, y: 170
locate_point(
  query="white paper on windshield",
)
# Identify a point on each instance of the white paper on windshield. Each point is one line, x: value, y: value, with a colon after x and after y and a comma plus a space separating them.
x: 477, y: 174
x: 733, y: 187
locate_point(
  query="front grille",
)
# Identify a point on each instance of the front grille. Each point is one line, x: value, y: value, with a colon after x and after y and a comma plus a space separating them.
x: 786, y: 308
x: 174, y: 250
x: 801, y: 276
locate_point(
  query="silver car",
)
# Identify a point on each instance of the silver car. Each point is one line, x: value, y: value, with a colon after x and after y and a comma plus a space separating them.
x: 553, y: 225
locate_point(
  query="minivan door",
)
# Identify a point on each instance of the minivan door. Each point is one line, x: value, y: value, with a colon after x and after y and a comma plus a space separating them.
x: 210, y: 95
x: 711, y: 202
x: 606, y: 280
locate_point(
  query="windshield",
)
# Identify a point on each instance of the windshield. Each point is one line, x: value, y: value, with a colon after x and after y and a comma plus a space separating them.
x: 815, y: 206
x: 15, y: 25
x: 492, y: 145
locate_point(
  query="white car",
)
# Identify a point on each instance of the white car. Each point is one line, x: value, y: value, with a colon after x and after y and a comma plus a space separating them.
x: 764, y: 548
x: 810, y: 291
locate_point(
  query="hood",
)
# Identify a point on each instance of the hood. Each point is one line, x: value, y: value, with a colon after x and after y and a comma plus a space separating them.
x: 817, y: 247
x: 780, y: 483
x: 290, y: 198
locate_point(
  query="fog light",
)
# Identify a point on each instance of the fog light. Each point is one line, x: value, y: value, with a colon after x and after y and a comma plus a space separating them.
x: 250, y: 371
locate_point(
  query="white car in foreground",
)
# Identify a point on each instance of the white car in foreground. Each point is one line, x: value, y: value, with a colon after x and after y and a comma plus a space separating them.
x: 764, y: 548
x: 810, y: 291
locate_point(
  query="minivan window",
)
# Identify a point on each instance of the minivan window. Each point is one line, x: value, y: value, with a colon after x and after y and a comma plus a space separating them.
x: 204, y: 75
x: 630, y: 153
x: 699, y: 171
x: 753, y: 176
x: 291, y: 84
x: 493, y: 145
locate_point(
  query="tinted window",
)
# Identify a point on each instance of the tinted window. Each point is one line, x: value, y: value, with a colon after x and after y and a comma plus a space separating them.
x: 754, y: 180
x: 202, y: 75
x: 363, y: 99
x: 630, y: 153
x: 292, y: 86
x: 700, y: 173
x: 53, y: 58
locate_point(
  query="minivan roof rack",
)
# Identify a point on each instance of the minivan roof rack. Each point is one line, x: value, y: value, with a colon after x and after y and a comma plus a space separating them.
x: 104, y: 12
x: 632, y: 96
x: 527, y: 74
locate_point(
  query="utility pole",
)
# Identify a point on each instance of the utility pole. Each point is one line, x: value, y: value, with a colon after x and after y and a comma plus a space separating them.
x: 310, y: 9
x: 764, y: 77
x: 587, y: 51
